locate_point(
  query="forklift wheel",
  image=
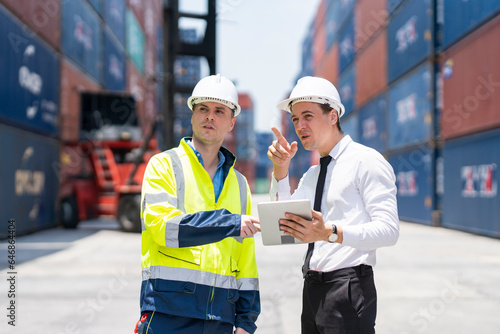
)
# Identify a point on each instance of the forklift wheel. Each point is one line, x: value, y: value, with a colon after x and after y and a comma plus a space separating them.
x: 129, y: 213
x: 68, y: 212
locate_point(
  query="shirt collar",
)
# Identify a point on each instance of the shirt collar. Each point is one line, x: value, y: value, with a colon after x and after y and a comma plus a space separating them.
x: 222, y: 158
x: 340, y: 147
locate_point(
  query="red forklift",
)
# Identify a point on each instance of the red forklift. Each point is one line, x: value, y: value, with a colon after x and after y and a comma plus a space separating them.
x: 101, y: 174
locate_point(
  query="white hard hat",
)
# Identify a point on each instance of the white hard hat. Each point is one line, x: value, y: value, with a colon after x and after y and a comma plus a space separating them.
x: 314, y: 89
x: 215, y: 88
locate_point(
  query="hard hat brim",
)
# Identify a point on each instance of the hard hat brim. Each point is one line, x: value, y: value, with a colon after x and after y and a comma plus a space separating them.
x: 288, y: 103
x: 193, y: 100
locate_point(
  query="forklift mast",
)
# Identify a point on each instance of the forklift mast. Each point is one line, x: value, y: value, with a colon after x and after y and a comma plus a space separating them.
x: 174, y: 47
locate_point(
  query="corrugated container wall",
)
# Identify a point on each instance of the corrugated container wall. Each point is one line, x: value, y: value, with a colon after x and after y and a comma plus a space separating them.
x: 346, y: 44
x: 422, y: 76
x: 73, y: 83
x: 332, y: 23
x: 409, y: 37
x: 471, y: 201
x: 29, y: 180
x: 114, y: 70
x: 461, y: 17
x: 470, y: 75
x: 370, y: 17
x: 81, y: 36
x: 328, y: 67
x: 372, y: 123
x: 414, y: 180
x: 347, y: 88
x: 135, y: 40
x: 393, y: 4
x: 349, y: 124
x: 319, y: 41
x: 114, y: 16
x: 29, y: 89
x: 371, y: 69
x: 42, y: 17
x: 135, y: 85
x: 410, y: 108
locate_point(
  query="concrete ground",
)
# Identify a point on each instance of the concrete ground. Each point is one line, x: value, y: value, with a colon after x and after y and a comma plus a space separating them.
x: 87, y: 281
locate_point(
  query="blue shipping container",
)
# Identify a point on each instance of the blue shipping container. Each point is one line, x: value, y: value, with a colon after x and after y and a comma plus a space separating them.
x: 115, y: 67
x: 307, y: 53
x: 187, y: 70
x: 409, y: 37
x: 349, y: 125
x: 345, y: 9
x: 414, y: 169
x: 81, y: 36
x: 29, y: 182
x: 471, y: 201
x: 372, y: 124
x: 346, y: 44
x: 29, y: 89
x: 347, y: 88
x: 393, y: 4
x: 332, y: 23
x: 461, y: 17
x: 97, y: 5
x: 410, y: 108
x: 114, y: 16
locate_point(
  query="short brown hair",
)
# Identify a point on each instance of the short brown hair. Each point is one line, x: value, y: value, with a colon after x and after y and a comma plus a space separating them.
x: 327, y: 109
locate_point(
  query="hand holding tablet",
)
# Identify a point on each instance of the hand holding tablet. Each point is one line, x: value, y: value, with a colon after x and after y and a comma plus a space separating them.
x: 271, y: 212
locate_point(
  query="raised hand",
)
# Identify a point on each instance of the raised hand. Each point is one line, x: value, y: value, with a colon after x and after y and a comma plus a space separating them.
x: 281, y: 152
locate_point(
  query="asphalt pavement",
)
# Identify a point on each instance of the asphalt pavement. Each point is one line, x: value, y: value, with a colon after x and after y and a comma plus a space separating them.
x: 87, y: 280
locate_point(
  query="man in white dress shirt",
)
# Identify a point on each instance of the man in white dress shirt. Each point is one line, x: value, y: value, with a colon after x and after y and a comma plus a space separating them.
x: 354, y: 215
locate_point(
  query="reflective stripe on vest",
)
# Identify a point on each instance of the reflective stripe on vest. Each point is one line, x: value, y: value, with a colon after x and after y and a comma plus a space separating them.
x: 200, y: 277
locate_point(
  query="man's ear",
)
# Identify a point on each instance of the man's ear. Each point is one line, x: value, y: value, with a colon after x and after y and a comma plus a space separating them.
x: 233, y: 121
x: 334, y: 116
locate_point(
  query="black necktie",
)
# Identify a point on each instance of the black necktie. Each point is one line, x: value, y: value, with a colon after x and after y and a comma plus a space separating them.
x: 317, y: 204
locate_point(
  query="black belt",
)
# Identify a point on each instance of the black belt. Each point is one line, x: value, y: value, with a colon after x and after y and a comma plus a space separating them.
x: 324, y: 276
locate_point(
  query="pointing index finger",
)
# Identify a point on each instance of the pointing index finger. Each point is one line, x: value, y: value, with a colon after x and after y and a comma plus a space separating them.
x: 281, y: 140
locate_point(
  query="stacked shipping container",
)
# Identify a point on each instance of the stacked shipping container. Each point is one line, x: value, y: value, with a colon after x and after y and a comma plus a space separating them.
x: 470, y: 123
x: 419, y: 86
x: 52, y: 52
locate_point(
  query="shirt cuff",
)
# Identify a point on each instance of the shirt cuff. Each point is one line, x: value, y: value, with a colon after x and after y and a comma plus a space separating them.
x: 281, y: 188
x: 351, y: 235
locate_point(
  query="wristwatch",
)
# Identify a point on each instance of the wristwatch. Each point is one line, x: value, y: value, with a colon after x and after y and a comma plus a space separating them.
x: 333, y: 237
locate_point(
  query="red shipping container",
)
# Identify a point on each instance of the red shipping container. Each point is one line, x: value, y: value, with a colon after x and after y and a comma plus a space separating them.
x: 43, y: 17
x: 471, y: 83
x: 371, y: 69
x: 73, y: 83
x: 319, y: 18
x: 370, y: 16
x: 135, y: 86
x: 328, y: 68
x: 319, y: 38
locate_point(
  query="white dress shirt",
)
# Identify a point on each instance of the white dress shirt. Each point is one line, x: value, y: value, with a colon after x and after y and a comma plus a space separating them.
x: 360, y: 196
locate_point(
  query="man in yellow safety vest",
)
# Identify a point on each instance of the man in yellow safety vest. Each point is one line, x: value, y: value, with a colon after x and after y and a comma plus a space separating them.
x: 199, y: 273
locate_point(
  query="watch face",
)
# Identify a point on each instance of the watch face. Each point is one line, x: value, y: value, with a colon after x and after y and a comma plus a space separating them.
x: 333, y: 237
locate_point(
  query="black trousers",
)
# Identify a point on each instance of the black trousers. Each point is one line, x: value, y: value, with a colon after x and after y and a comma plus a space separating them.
x: 342, y: 301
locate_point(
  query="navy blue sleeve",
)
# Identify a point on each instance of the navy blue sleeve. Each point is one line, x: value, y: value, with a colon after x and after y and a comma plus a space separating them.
x: 206, y: 227
x: 247, y: 310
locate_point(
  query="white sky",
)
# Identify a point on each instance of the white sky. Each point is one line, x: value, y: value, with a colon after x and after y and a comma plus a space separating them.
x: 259, y: 47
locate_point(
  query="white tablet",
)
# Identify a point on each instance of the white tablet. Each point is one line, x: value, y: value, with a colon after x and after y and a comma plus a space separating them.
x: 271, y: 212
